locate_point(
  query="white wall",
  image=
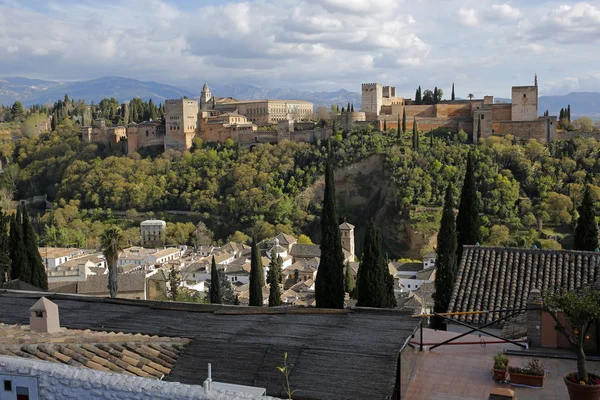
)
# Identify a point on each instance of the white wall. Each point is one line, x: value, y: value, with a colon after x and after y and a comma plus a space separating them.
x: 59, y: 381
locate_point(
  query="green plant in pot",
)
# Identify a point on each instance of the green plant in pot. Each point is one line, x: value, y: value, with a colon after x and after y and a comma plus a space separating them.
x: 531, y: 374
x: 581, y: 309
x: 500, y: 367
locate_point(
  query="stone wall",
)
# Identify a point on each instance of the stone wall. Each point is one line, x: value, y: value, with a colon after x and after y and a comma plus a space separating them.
x: 57, y: 381
x: 501, y: 112
x: 543, y: 129
x: 144, y: 135
x: 524, y: 103
x: 372, y: 98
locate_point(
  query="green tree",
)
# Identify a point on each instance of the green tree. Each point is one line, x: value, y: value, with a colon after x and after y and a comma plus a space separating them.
x: 586, y: 231
x: 453, y: 98
x: 174, y: 282
x: 256, y: 277
x: 275, y: 280
x: 4, y: 246
x: 17, y: 111
x: 329, y: 284
x: 371, y: 271
x: 53, y: 122
x: 446, y: 262
x: 415, y: 135
x: 110, y: 243
x: 349, y: 284
x: 39, y: 278
x: 18, y: 253
x: 478, y: 130
x: 215, y: 287
x: 418, y: 97
x: 468, y: 220
x: 403, y: 120
x: 569, y: 113
x: 303, y: 239
x: 390, y: 295
x: 399, y: 130
x: 385, y: 125
x: 499, y: 235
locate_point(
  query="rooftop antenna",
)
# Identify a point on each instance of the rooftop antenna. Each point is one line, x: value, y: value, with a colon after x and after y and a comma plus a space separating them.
x: 207, y: 383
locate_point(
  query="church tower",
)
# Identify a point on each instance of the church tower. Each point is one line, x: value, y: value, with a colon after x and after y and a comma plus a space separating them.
x: 205, y: 98
x: 347, y: 234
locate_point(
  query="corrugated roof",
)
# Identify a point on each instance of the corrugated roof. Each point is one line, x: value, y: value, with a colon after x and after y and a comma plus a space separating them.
x: 331, y: 357
x: 491, y: 278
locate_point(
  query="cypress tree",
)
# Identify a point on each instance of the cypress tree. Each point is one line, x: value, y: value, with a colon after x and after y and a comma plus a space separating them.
x: 352, y: 108
x: 275, y: 280
x: 446, y: 262
x: 478, y: 129
x: 435, y: 95
x: 384, y: 125
x: 370, y: 278
x: 349, y: 283
x: 18, y: 254
x: 343, y: 110
x: 562, y: 114
x: 415, y: 138
x: 468, y: 220
x: 39, y: 278
x: 390, y: 296
x: 329, y: 284
x: 569, y: 113
x: 53, y: 122
x: 256, y: 285
x: 215, y: 284
x: 403, y: 120
x: 399, y: 131
x: 4, y: 247
x: 348, y: 106
x: 586, y: 231
x: 453, y: 98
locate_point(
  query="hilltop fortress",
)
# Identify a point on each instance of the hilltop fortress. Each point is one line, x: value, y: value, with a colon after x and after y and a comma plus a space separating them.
x: 519, y: 118
x: 249, y: 122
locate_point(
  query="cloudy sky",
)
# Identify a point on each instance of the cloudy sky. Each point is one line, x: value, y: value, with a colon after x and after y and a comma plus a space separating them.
x: 483, y: 46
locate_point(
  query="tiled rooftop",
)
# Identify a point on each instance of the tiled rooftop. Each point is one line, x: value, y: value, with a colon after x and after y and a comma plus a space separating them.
x: 492, y: 278
x: 132, y: 354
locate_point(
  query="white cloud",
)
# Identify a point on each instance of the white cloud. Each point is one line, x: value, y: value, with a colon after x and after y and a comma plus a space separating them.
x: 569, y: 24
x: 504, y: 11
x: 467, y: 17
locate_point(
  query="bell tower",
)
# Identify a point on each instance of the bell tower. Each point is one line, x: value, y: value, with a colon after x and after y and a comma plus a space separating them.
x: 205, y: 98
x: 347, y: 234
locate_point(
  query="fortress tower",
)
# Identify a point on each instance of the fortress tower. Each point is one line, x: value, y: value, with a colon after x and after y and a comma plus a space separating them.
x: 372, y: 98
x: 525, y: 102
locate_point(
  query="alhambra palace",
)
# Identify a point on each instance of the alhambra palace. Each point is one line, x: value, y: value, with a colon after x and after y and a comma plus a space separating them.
x: 249, y: 122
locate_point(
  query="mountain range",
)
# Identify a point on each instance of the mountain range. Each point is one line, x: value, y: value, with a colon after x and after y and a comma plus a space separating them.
x: 35, y: 91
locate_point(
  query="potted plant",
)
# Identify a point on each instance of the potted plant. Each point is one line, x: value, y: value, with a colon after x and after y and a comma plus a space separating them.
x: 500, y: 367
x: 531, y: 374
x: 581, y: 309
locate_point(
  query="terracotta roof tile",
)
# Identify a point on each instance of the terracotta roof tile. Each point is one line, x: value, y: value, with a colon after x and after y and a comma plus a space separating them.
x: 492, y: 278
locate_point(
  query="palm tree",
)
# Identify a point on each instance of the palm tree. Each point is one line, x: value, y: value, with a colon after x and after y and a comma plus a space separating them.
x: 470, y: 96
x: 110, y: 242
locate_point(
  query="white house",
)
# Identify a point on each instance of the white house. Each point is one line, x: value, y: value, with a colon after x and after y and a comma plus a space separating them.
x: 429, y: 259
x: 52, y: 257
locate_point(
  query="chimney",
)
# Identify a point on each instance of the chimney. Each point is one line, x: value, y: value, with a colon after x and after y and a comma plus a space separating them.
x: 43, y: 317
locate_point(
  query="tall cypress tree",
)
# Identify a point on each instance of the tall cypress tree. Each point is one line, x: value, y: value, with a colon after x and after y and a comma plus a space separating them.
x: 569, y: 113
x: 215, y: 284
x: 275, y: 280
x: 415, y: 135
x: 371, y: 271
x: 403, y: 119
x: 18, y: 254
x: 385, y: 125
x: 453, y: 98
x: 586, y: 232
x: 446, y: 262
x: 435, y: 95
x: 399, y: 131
x: 390, y: 296
x: 4, y: 247
x: 349, y: 283
x: 39, y: 278
x: 351, y: 107
x: 478, y: 129
x: 256, y: 277
x: 329, y: 284
x: 562, y: 114
x: 468, y: 220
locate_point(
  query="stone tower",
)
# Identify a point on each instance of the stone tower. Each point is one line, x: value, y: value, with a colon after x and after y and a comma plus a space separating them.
x: 372, y: 98
x: 347, y: 234
x: 205, y: 98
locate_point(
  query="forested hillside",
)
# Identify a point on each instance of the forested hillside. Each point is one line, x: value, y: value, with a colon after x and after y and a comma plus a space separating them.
x: 529, y: 192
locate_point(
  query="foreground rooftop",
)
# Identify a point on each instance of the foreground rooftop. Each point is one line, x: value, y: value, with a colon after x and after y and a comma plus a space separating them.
x: 349, y: 354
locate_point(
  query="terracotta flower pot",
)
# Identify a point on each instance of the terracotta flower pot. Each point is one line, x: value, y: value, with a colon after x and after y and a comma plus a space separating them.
x: 500, y: 374
x: 582, y: 392
x: 529, y: 380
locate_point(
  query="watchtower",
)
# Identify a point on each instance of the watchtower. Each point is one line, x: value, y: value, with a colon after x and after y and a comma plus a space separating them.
x: 372, y: 98
x: 347, y: 234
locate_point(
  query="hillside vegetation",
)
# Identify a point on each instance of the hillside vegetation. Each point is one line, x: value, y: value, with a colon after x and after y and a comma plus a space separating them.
x: 528, y: 191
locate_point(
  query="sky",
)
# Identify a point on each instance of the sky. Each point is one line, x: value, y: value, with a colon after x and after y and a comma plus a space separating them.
x: 483, y: 47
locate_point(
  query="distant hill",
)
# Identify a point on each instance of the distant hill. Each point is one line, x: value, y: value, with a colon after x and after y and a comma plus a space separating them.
x: 582, y: 104
x: 30, y: 91
x: 34, y: 91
